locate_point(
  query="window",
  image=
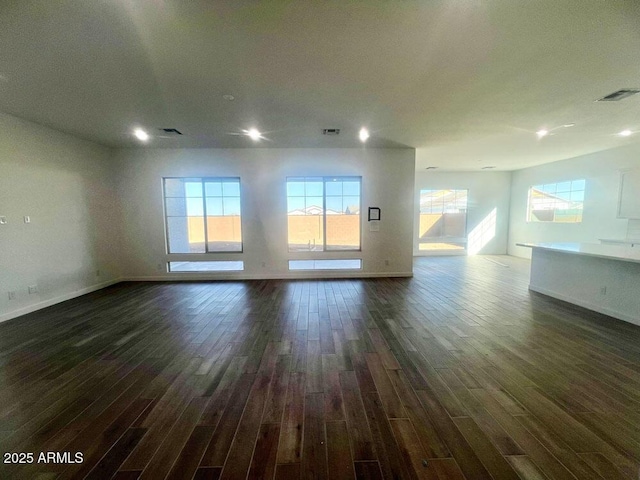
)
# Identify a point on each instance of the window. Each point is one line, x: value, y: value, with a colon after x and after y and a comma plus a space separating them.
x: 323, y: 213
x: 346, y: 264
x: 443, y: 220
x: 203, y: 215
x: 556, y: 202
x: 212, y: 266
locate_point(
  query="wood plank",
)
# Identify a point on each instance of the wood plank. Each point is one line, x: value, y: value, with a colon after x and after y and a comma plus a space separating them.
x: 175, y: 439
x: 602, y: 465
x: 238, y: 459
x: 263, y: 463
x: 368, y: 471
x: 558, y: 448
x: 358, y: 427
x: 314, y: 453
x: 412, y: 450
x: 432, y: 443
x: 290, y: 444
x: 289, y: 471
x: 487, y: 453
x: 447, y: 468
x: 467, y: 459
x: 383, y: 386
x: 108, y: 466
x: 208, y: 473
x: 274, y: 407
x: 314, y: 367
x: 339, y: 458
x: 386, y: 447
x: 218, y: 449
x: 526, y: 469
x: 191, y: 454
x: 333, y: 404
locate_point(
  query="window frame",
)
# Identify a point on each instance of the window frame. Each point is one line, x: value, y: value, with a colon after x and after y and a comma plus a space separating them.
x: 540, y: 188
x: 203, y: 181
x: 219, y: 270
x: 314, y: 269
x: 464, y: 244
x: 324, y: 180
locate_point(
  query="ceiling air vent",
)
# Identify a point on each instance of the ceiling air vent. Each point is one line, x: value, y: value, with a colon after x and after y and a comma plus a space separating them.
x: 619, y: 95
x: 331, y: 131
x: 171, y: 131
x: 489, y: 167
x: 430, y: 168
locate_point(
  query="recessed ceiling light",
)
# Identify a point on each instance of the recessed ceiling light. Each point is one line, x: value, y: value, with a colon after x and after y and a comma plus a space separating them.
x: 254, y: 134
x: 625, y: 133
x: 230, y: 98
x: 364, y: 134
x: 542, y: 133
x: 141, y: 135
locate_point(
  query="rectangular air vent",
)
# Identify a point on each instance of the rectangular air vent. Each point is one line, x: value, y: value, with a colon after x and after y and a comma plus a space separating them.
x: 331, y: 131
x: 619, y: 95
x: 430, y: 168
x: 171, y: 131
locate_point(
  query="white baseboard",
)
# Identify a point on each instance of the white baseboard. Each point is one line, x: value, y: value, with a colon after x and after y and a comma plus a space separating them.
x: 52, y: 301
x: 323, y: 275
x: 441, y: 253
x: 588, y: 305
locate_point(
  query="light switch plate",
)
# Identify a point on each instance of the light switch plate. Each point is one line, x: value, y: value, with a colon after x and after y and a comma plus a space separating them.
x: 27, y: 219
x: 3, y: 220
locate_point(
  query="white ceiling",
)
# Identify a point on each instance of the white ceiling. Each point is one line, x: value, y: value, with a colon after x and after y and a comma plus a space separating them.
x: 466, y: 82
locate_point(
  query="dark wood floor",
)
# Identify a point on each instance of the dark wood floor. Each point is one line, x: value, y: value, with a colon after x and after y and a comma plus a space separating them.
x: 457, y: 373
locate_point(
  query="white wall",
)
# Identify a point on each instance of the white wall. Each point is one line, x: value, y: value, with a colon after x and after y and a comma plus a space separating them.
x: 488, y: 191
x: 387, y: 182
x: 66, y: 186
x: 602, y: 173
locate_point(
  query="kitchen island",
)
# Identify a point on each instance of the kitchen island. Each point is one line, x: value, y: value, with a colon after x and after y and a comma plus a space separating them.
x: 603, y: 278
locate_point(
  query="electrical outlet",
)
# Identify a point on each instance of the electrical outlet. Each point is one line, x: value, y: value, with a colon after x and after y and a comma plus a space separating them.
x: 159, y: 267
x: 12, y: 295
x: 97, y: 273
x: 603, y: 290
x: 264, y: 264
x: 386, y: 262
x: 33, y: 289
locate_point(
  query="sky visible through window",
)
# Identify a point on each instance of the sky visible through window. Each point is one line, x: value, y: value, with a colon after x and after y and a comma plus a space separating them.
x: 572, y: 190
x: 557, y: 202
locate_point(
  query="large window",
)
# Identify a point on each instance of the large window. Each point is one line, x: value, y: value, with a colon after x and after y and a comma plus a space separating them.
x: 556, y: 202
x: 323, y: 213
x: 203, y: 215
x: 443, y: 220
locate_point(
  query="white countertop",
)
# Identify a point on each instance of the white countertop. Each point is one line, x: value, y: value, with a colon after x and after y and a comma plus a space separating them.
x: 612, y: 252
x: 621, y: 240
